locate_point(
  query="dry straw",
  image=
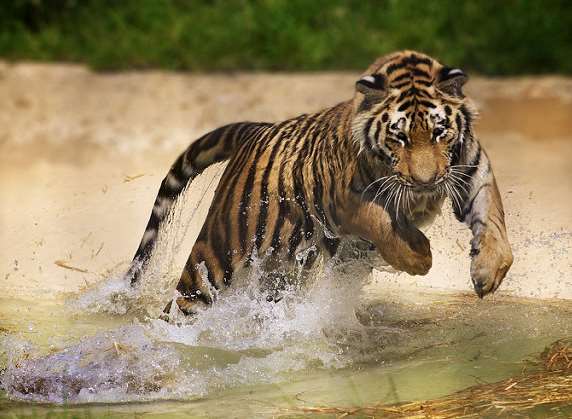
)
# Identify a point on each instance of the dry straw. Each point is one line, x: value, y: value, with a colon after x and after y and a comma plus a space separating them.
x: 549, y: 384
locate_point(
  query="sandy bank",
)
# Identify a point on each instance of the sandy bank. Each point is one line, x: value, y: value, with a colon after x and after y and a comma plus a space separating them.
x: 82, y: 155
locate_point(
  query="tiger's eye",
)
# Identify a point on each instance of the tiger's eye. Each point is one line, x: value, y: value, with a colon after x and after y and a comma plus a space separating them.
x: 402, y: 137
x: 437, y: 132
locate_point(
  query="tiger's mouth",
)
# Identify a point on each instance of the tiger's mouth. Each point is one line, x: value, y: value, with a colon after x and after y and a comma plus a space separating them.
x: 423, y: 188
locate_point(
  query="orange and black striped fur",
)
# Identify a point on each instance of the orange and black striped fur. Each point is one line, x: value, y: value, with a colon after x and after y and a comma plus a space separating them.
x: 374, y: 168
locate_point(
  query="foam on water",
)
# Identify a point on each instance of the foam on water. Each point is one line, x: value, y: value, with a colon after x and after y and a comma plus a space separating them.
x: 241, y: 340
x: 248, y: 340
x: 124, y: 364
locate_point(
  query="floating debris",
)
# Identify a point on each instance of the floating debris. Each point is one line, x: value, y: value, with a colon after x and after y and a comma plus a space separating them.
x: 94, y: 254
x: 65, y: 265
x: 128, y: 178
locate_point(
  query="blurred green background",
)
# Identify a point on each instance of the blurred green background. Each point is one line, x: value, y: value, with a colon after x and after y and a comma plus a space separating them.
x: 490, y: 37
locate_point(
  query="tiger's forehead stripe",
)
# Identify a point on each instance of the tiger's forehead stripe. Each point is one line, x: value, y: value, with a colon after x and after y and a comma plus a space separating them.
x: 412, y: 76
x: 407, y: 60
x: 408, y: 67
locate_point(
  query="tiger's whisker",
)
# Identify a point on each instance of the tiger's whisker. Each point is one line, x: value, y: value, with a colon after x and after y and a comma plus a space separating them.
x: 458, y: 197
x: 454, y: 180
x: 380, y: 192
x: 394, y: 198
x: 454, y: 176
x: 375, y: 181
x: 398, y: 201
x: 459, y: 172
x: 389, y: 196
x: 452, y: 196
x: 409, y: 201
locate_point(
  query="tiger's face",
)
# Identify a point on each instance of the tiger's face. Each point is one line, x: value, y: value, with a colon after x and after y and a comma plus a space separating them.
x: 410, y: 112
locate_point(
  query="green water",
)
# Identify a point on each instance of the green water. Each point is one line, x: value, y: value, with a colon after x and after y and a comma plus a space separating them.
x: 265, y: 360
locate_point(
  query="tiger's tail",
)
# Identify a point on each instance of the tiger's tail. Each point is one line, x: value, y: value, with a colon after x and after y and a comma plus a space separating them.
x: 214, y: 147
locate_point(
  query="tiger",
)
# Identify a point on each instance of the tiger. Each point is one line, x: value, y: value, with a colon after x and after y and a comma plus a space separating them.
x: 374, y: 169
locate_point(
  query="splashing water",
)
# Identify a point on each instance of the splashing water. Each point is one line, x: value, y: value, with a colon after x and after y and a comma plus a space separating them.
x: 249, y: 340
x: 244, y: 340
x: 124, y: 364
x: 330, y: 327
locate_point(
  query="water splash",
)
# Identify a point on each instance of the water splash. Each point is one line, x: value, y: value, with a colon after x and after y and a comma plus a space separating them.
x: 121, y: 365
x: 154, y: 289
x: 242, y: 339
x: 245, y: 340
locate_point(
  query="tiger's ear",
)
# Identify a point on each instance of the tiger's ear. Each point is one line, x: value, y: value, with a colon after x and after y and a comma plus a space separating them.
x: 371, y: 84
x: 451, y: 81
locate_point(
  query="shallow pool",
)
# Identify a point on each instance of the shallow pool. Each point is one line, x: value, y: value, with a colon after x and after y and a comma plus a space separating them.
x: 335, y: 343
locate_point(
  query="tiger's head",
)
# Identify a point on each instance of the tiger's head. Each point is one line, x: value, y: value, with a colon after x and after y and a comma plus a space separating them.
x: 410, y: 112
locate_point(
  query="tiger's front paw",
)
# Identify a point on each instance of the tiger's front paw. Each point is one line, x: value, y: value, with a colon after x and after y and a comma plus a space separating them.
x: 414, y: 264
x: 415, y: 260
x: 491, y: 260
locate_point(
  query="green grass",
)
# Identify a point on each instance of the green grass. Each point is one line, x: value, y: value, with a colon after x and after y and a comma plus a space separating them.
x: 494, y: 37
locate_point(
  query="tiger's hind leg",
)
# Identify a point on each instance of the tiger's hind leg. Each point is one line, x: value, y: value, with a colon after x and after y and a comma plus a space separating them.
x: 214, y: 147
x: 203, y: 277
x: 281, y: 274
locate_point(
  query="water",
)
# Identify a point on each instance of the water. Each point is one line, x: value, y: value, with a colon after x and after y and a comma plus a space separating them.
x: 343, y: 340
x: 246, y: 356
